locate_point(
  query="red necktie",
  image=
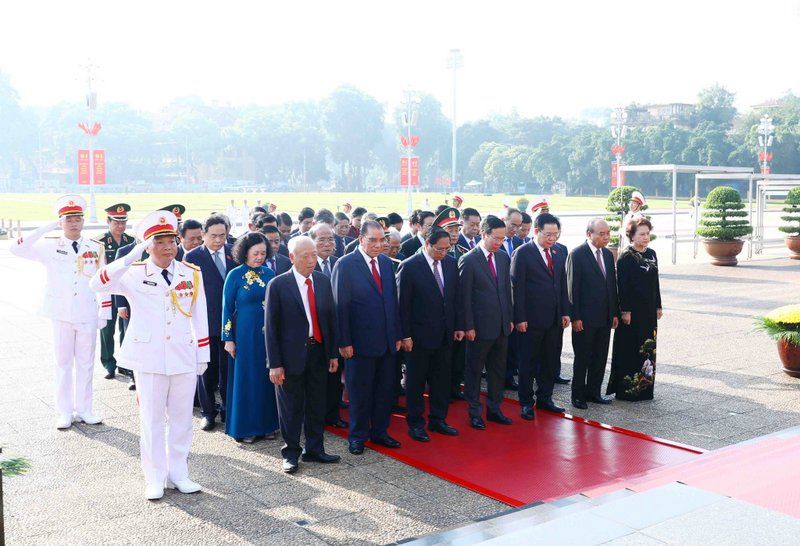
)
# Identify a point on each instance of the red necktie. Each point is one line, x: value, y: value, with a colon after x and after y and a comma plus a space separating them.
x: 312, y: 308
x: 377, y: 277
x: 491, y: 266
x: 472, y: 244
x: 549, y: 261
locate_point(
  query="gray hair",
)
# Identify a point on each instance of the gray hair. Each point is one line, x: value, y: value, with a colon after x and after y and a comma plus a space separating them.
x: 299, y: 241
x: 370, y: 216
x: 394, y: 234
x: 316, y: 228
x: 594, y: 223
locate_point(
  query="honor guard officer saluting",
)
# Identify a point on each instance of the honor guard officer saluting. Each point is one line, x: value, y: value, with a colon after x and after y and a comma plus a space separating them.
x: 112, y: 240
x: 166, y: 346
x: 76, y: 312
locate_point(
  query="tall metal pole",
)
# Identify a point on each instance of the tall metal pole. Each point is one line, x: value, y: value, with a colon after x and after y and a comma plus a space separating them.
x: 454, y: 62
x: 91, y: 104
x: 409, y: 119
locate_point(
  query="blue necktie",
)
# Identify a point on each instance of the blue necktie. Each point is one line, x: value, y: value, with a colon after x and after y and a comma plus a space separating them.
x: 219, y: 264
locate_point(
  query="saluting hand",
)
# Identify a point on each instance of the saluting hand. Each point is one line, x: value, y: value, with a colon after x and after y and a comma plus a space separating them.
x: 346, y: 352
x: 333, y: 365
x: 277, y: 376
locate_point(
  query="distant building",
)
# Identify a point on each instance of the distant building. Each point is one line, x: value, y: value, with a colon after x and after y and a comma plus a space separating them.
x: 771, y: 104
x: 678, y: 113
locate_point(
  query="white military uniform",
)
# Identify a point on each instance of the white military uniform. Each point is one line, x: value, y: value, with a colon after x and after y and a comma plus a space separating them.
x: 75, y: 310
x: 167, y: 347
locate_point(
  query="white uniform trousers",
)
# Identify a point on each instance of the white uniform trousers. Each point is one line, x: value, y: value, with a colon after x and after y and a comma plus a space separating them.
x: 74, y: 345
x: 165, y: 400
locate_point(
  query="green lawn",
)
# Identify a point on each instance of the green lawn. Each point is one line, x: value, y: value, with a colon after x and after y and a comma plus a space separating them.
x: 38, y: 207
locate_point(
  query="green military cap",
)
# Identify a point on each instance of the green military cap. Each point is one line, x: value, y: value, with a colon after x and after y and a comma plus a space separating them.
x: 119, y: 211
x: 384, y: 222
x: 177, y: 210
x: 447, y: 218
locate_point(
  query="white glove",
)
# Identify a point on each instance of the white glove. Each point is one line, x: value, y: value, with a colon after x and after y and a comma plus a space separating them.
x: 202, y: 367
x: 138, y: 251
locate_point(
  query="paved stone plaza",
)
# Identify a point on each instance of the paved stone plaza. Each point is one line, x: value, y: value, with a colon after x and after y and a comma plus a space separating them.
x: 718, y: 383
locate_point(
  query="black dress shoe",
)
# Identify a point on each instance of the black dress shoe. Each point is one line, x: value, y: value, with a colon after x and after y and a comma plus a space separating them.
x: 458, y: 395
x: 339, y: 423
x: 386, y: 441
x: 578, y: 403
x: 132, y: 387
x: 111, y: 375
x: 512, y: 385
x: 561, y: 381
x: 207, y: 424
x: 320, y: 458
x: 289, y: 466
x: 356, y: 447
x: 548, y: 405
x: 598, y: 400
x: 442, y: 428
x: 477, y: 422
x: 527, y: 413
x: 419, y: 434
x: 498, y: 418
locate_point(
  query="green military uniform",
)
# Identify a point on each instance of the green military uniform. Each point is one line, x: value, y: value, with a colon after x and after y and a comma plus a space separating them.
x: 118, y: 212
x: 449, y: 219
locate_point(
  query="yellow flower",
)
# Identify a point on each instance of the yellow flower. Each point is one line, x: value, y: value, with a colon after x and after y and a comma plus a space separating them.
x: 228, y: 327
x: 788, y: 314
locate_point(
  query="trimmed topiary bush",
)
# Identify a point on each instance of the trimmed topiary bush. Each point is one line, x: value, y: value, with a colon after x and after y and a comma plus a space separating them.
x: 792, y: 216
x: 723, y: 218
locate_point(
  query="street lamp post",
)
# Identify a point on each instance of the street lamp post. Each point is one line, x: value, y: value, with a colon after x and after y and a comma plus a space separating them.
x: 454, y: 62
x: 411, y: 103
x: 91, y: 105
x: 765, y: 131
x: 618, y: 130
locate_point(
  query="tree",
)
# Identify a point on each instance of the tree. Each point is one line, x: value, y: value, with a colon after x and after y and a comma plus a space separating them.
x: 715, y: 105
x: 353, y: 124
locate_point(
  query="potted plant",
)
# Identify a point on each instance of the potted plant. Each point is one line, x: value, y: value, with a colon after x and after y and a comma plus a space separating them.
x: 723, y: 225
x: 792, y: 219
x: 619, y: 204
x: 783, y: 325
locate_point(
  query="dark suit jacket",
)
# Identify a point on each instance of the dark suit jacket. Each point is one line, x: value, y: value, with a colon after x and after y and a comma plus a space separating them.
x: 122, y: 301
x: 426, y: 316
x: 282, y: 263
x: 593, y: 298
x: 212, y: 284
x: 332, y: 259
x: 410, y: 247
x: 283, y: 250
x: 286, y: 325
x: 463, y: 240
x: 341, y: 243
x: 351, y: 246
x: 539, y: 298
x: 366, y: 319
x: 515, y: 241
x: 485, y: 305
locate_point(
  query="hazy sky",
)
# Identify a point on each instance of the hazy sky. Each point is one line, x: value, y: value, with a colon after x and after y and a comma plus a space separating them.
x: 552, y: 58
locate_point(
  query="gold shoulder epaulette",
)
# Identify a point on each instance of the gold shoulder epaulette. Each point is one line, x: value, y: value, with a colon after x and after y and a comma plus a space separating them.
x: 140, y: 262
x: 193, y: 266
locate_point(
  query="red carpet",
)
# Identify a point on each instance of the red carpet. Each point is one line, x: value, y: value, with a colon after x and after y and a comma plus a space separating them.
x: 763, y: 471
x: 549, y: 458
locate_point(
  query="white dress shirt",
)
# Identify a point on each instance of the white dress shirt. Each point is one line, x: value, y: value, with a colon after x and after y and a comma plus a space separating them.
x: 301, y: 285
x: 369, y: 261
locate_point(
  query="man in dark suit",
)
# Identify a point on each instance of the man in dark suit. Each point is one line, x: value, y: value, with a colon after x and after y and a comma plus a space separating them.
x: 470, y: 228
x: 541, y: 311
x: 427, y: 286
x: 322, y: 235
x: 369, y: 336
x: 513, y: 221
x: 277, y: 262
x: 410, y: 246
x: 300, y: 321
x: 214, y: 259
x: 485, y: 295
x: 592, y: 287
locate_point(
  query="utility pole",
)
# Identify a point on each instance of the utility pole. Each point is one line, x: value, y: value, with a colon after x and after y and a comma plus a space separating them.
x: 454, y: 62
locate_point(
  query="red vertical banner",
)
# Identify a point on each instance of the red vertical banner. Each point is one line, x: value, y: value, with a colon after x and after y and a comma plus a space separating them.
x: 83, y: 167
x: 99, y: 167
x: 617, y: 176
x: 414, y: 171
